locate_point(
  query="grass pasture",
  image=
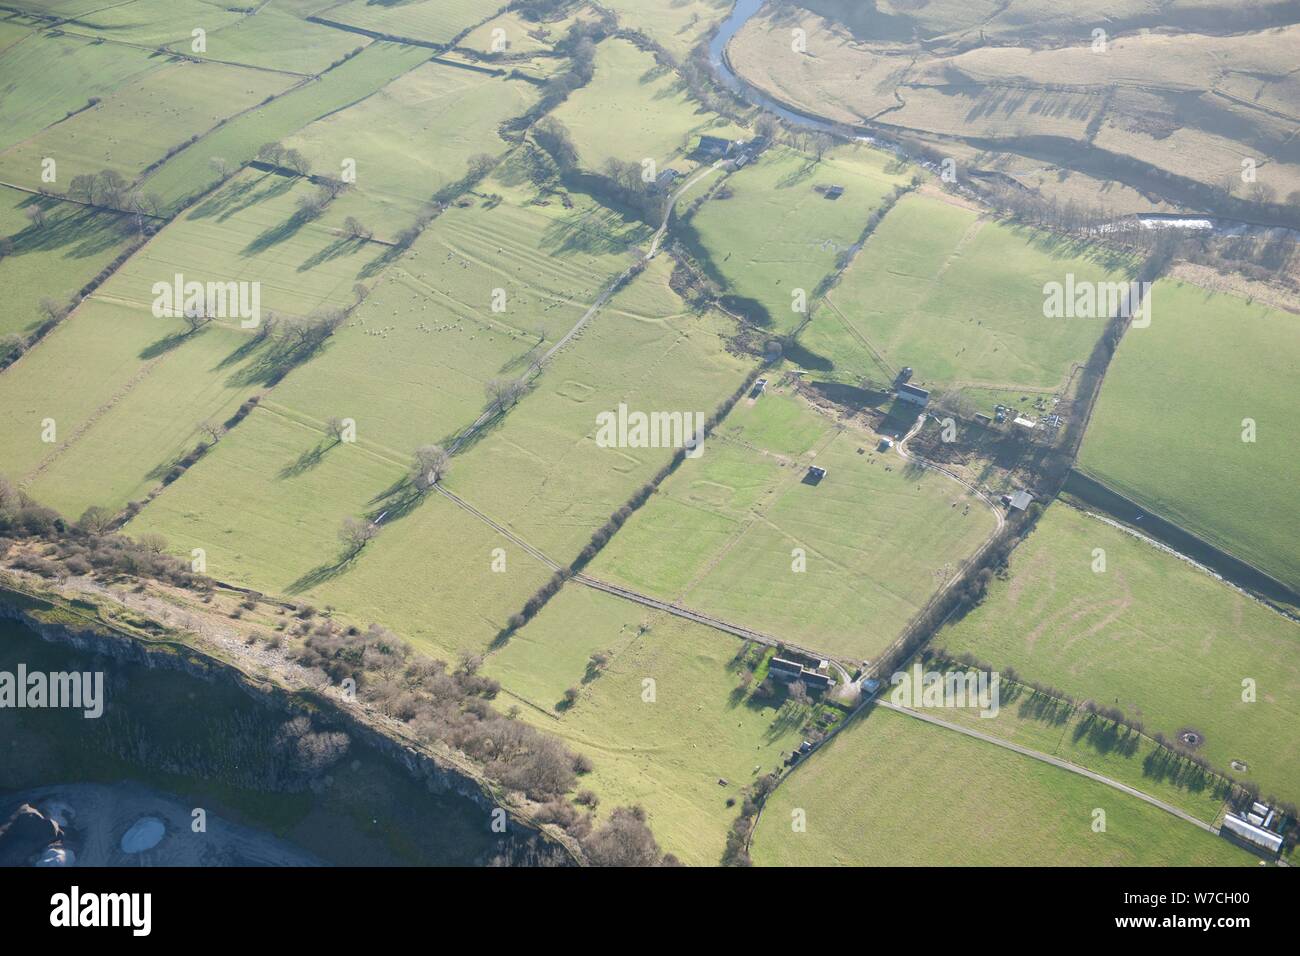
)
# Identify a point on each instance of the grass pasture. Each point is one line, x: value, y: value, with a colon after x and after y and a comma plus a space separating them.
x: 415, y: 360
x: 47, y: 78
x: 412, y: 138
x: 251, y: 231
x: 429, y: 576
x: 277, y: 40
x: 1050, y: 726
x: 155, y: 22
x: 634, y: 110
x: 893, y: 791
x: 772, y: 233
x: 266, y: 504
x: 190, y: 172
x: 541, y: 472
x: 721, y: 534
x: 142, y: 385
x: 136, y: 124
x: 56, y: 259
x: 125, y: 392
x: 960, y: 299
x: 1168, y: 428
x: 1153, y: 636
x: 679, y: 26
x: 431, y: 21
x: 667, y: 754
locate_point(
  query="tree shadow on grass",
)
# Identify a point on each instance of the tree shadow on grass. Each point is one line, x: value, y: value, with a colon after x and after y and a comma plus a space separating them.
x: 278, y: 234
x: 167, y: 343
x: 379, y: 263
x: 325, y: 573
x: 273, y: 364
x: 400, y: 500
x: 237, y: 197
x: 797, y: 176
x: 305, y: 462
x: 335, y: 250
x: 80, y: 231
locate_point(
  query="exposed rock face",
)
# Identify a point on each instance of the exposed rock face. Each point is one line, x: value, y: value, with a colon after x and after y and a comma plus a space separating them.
x: 25, y: 835
x: 525, y: 845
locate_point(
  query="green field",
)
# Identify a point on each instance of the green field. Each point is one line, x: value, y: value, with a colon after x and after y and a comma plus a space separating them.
x: 1151, y: 635
x: 959, y: 298
x: 152, y: 22
x: 412, y: 367
x: 721, y: 534
x: 411, y: 139
x: 142, y: 386
x: 266, y: 504
x: 137, y: 123
x: 541, y: 472
x: 771, y: 233
x: 191, y: 173
x: 45, y: 78
x: 635, y: 110
x: 670, y: 754
x: 679, y: 26
x: 251, y: 230
x: 1054, y: 727
x: 1168, y: 429
x: 893, y: 791
x: 433, y: 21
x: 55, y: 259
x: 277, y: 40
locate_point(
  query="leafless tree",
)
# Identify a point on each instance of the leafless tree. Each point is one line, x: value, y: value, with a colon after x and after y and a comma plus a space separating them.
x: 296, y: 161
x: 503, y: 393
x: 270, y: 153
x: 624, y: 840
x: 356, y: 534
x: 220, y: 165
x: 336, y: 427
x: 429, y: 466
x: 35, y: 213
x: 212, y: 429
x: 54, y: 310
x: 152, y: 542
x: 96, y: 520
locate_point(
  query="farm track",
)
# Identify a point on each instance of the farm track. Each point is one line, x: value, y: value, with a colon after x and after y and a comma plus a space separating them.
x: 1053, y: 761
x: 628, y: 594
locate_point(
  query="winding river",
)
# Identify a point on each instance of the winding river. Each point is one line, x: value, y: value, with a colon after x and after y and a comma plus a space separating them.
x: 744, y: 10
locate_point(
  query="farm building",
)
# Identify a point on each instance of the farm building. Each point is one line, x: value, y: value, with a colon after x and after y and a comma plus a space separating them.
x: 759, y: 387
x: 1256, y: 836
x: 815, y: 475
x: 714, y: 147
x: 1028, y: 424
x: 791, y: 671
x: 1020, y: 500
x: 785, y: 670
x: 834, y: 192
x: 666, y: 179
x: 913, y: 394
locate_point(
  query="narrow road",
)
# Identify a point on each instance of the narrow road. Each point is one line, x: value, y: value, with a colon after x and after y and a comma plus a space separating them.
x: 672, y: 201
x: 901, y: 448
x: 1054, y: 761
x: 699, y: 617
